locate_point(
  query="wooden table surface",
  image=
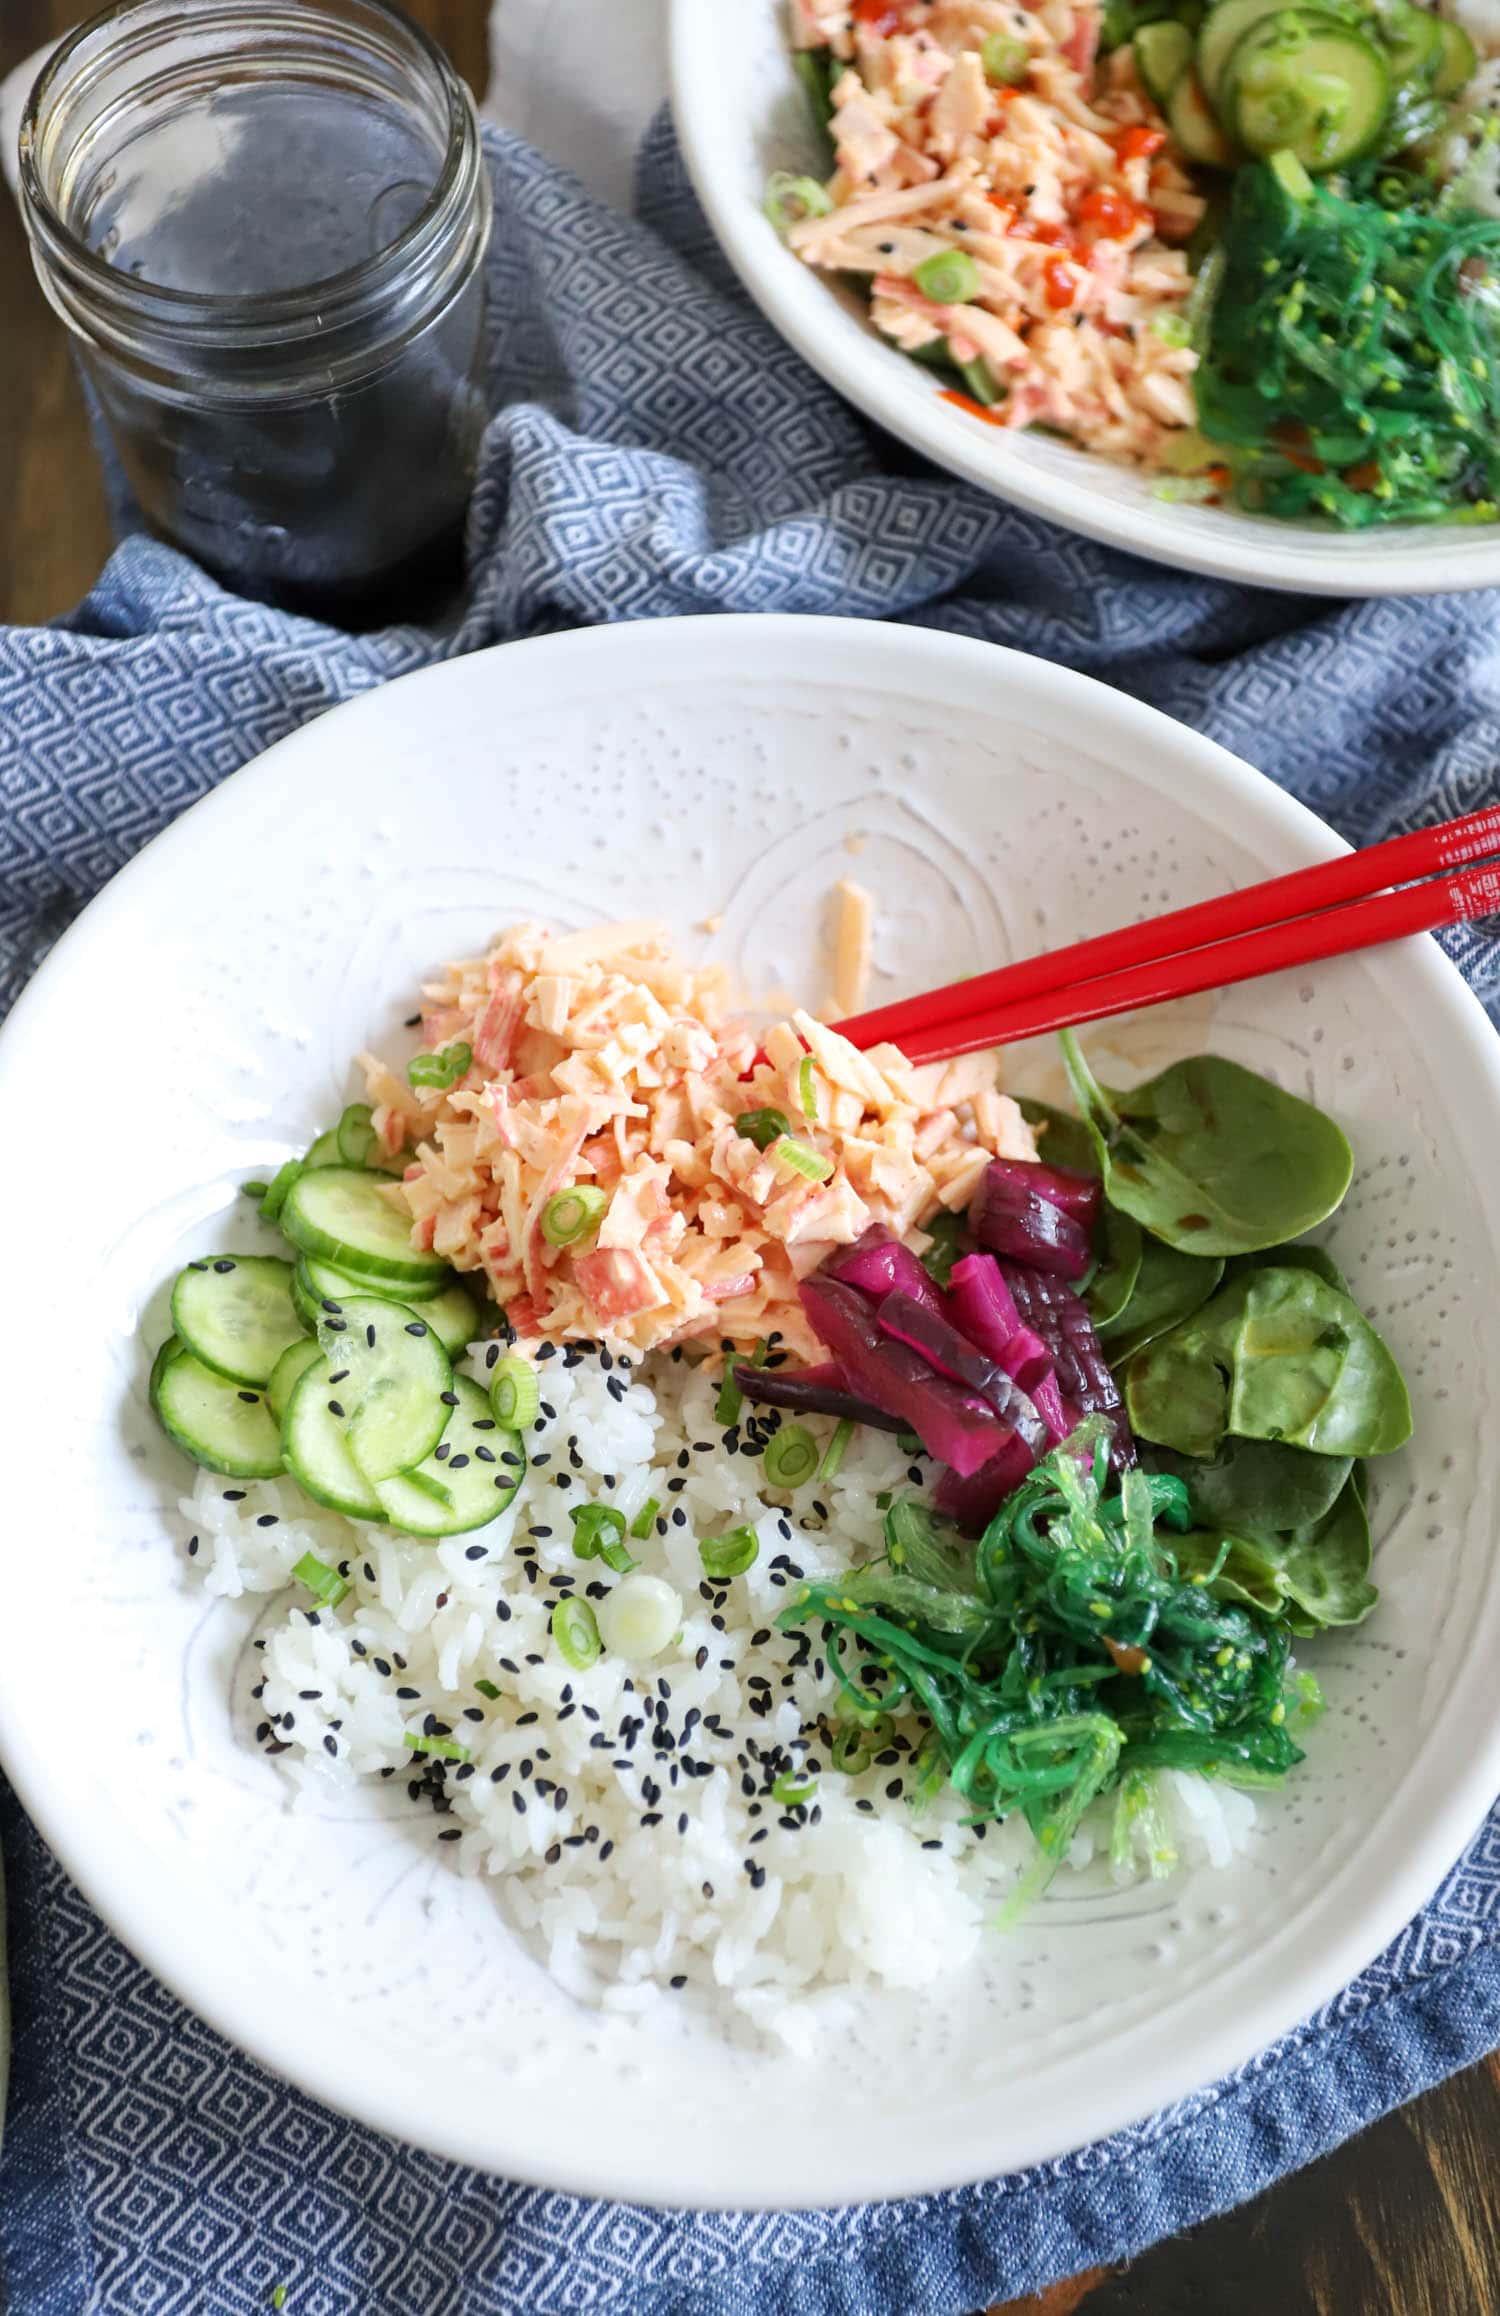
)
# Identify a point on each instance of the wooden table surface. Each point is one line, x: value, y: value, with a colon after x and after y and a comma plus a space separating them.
x: 1404, y: 2221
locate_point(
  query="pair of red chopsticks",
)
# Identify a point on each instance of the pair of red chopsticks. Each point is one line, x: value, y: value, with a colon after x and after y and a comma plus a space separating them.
x: 1325, y: 911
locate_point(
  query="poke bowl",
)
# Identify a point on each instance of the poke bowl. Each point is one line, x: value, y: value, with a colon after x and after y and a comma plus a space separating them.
x: 502, y: 1829
x: 1127, y: 362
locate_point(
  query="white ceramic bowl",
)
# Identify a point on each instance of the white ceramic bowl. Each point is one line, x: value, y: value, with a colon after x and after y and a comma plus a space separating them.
x: 741, y: 112
x: 196, y: 1026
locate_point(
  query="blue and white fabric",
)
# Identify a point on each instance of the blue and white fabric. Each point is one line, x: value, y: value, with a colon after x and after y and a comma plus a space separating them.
x: 655, y: 449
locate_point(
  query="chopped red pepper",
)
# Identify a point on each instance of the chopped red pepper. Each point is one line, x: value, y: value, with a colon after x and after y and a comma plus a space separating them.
x: 1062, y: 282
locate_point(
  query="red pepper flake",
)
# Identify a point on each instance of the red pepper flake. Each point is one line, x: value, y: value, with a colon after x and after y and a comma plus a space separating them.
x: 1363, y: 478
x: 1062, y: 282
x: 967, y: 402
x: 1139, y: 143
x: 1128, y: 1658
x: 1291, y: 438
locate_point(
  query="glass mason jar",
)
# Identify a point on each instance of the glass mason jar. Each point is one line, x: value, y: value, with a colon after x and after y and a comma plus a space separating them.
x: 264, y: 223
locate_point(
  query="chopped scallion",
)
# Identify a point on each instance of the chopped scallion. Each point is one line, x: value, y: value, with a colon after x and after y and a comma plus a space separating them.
x: 356, y: 1134
x: 255, y: 1189
x: 1005, y: 60
x: 789, y: 199
x: 801, y: 1158
x: 487, y: 1689
x: 762, y: 1127
x: 571, y: 1214
x: 794, y: 1786
x: 325, y: 1582
x: 515, y: 1393
x: 575, y: 1628
x: 838, y: 1448
x: 807, y: 1092
x: 730, y: 1554
x: 281, y: 1183
x: 443, y: 1748
x: 645, y: 1518
x: 949, y: 277
x: 598, y: 1534
x: 791, y: 1458
x: 443, y: 1068
x: 730, y: 1400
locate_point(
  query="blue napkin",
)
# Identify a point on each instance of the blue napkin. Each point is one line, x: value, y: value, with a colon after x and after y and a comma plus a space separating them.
x: 656, y: 449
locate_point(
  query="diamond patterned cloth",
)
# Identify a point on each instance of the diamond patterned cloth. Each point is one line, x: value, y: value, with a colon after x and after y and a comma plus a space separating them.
x: 655, y: 449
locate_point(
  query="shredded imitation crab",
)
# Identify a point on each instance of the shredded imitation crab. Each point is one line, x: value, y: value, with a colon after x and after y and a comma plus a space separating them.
x: 599, y: 1060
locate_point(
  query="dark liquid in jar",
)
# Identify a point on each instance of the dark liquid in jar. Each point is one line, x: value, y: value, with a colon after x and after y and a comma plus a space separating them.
x: 348, y: 503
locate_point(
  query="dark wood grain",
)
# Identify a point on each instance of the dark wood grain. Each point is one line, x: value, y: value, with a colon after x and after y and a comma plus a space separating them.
x: 1404, y: 2221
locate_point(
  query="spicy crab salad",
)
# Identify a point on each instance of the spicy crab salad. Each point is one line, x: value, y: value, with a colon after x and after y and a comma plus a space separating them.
x: 774, y: 1505
x: 1252, y: 246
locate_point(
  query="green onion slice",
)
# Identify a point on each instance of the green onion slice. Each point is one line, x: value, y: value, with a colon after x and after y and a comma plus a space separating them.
x: 645, y: 1519
x: 1005, y: 60
x: 575, y: 1628
x: 789, y: 199
x: 255, y: 1189
x: 445, y: 1748
x: 838, y: 1448
x: 801, y: 1158
x: 762, y: 1127
x: 487, y: 1689
x: 571, y: 1214
x: 356, y: 1135
x: 949, y: 277
x: 793, y: 1786
x: 730, y: 1400
x: 730, y: 1554
x: 320, y: 1579
x: 515, y: 1393
x: 598, y: 1534
x: 807, y: 1092
x: 443, y: 1068
x: 791, y: 1458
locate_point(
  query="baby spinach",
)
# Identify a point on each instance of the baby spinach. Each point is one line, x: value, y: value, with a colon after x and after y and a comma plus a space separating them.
x: 1276, y: 1354
x: 1315, y: 1575
x: 1257, y: 1487
x: 1168, y: 1287
x: 1062, y: 1139
x: 1210, y: 1157
x: 1307, y: 1258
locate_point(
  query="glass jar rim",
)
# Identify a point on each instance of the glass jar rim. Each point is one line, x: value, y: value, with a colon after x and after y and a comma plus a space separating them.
x: 271, y: 311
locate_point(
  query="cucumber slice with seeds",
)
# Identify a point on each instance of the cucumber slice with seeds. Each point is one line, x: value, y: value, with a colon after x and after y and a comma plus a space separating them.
x: 325, y: 1151
x: 1303, y: 83
x: 1459, y: 60
x: 468, y: 1481
x: 235, y: 1314
x: 1223, y: 28
x: 288, y: 1372
x: 1193, y: 123
x: 317, y: 1451
x: 393, y: 1385
x: 338, y: 1284
x: 223, y: 1426
x: 344, y: 1216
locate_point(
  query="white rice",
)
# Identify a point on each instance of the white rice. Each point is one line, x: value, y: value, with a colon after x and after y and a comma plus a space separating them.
x: 627, y: 1806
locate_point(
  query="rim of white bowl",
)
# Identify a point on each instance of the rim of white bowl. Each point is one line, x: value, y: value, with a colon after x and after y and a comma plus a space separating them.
x: 1411, y: 559
x: 1431, y: 1816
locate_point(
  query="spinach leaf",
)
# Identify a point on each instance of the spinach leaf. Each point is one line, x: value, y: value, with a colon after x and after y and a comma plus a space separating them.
x: 1168, y: 1287
x: 1210, y: 1157
x: 1311, y: 1370
x: 1276, y: 1354
x: 1315, y: 1575
x: 1308, y: 1258
x: 1062, y: 1139
x: 1256, y: 1487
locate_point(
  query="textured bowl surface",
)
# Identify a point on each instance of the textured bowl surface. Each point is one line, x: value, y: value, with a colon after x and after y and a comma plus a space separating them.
x: 208, y: 1004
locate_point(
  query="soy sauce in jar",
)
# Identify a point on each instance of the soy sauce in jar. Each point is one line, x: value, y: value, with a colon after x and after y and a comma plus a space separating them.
x: 264, y: 222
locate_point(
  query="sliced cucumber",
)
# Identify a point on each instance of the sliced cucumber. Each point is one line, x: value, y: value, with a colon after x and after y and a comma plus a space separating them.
x: 1223, y: 28
x: 1303, y: 83
x: 223, y: 1426
x: 325, y: 1151
x: 288, y: 1372
x: 317, y: 1451
x: 161, y: 1363
x: 1163, y: 52
x: 1459, y: 60
x: 344, y: 1216
x: 333, y: 1280
x: 468, y: 1481
x: 281, y: 1182
x: 1411, y: 40
x: 453, y: 1317
x: 234, y: 1313
x: 1193, y: 123
x: 391, y: 1379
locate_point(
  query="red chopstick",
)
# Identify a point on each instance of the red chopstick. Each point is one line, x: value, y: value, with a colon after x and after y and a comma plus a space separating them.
x: 1205, y: 927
